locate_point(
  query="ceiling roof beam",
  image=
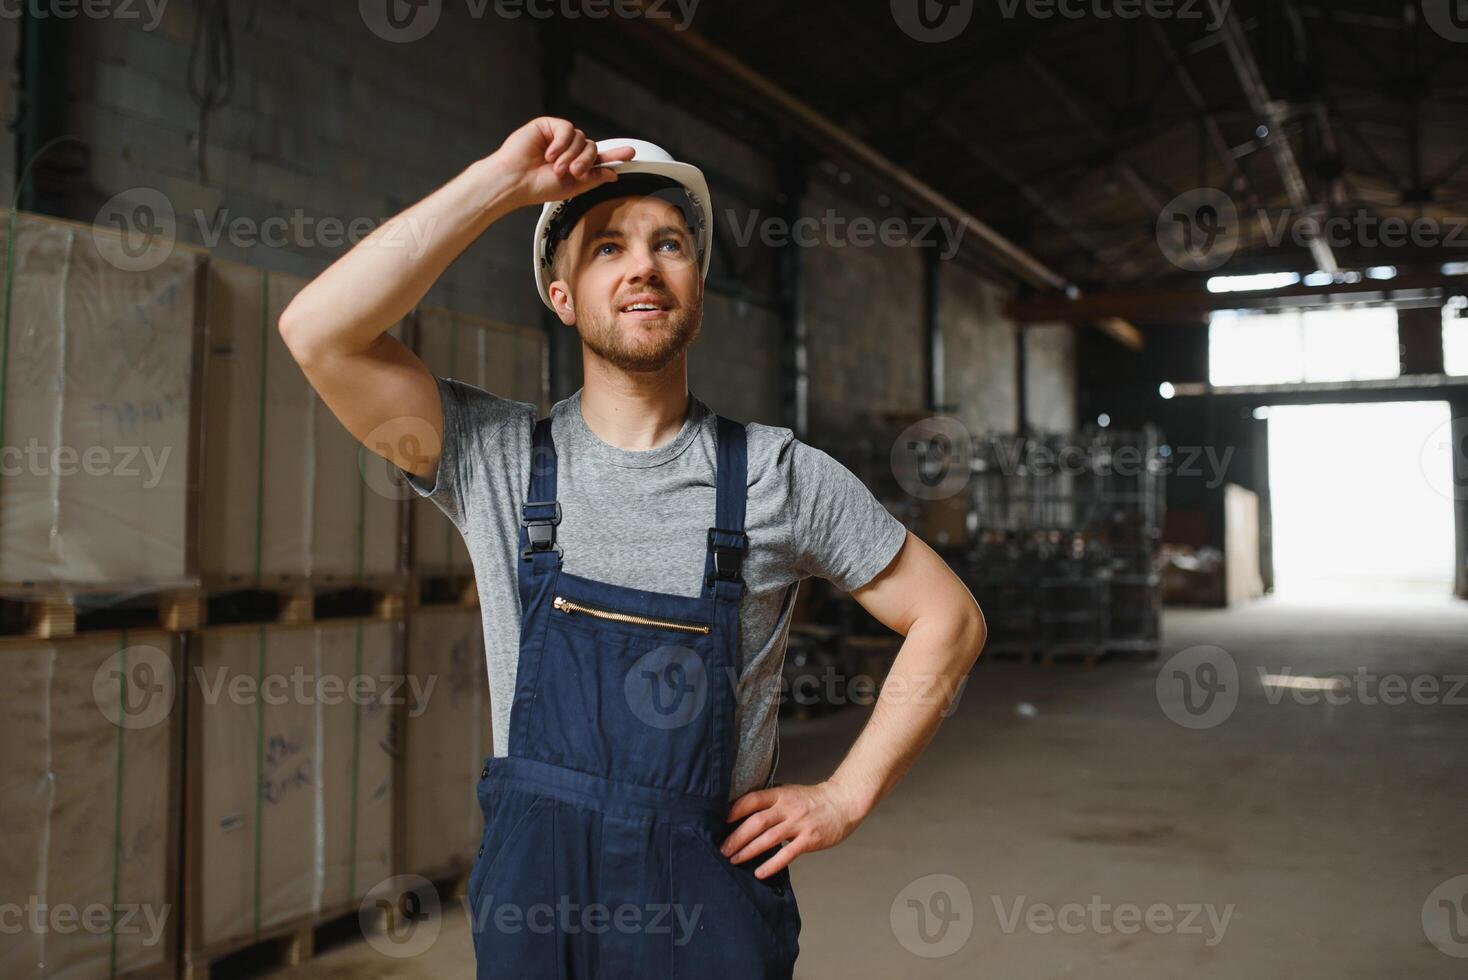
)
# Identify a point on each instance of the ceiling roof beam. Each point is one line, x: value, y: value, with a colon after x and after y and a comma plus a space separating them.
x: 1186, y: 304
x: 1274, y: 113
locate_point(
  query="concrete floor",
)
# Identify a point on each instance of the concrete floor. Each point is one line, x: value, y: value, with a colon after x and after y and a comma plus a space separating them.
x: 1320, y: 830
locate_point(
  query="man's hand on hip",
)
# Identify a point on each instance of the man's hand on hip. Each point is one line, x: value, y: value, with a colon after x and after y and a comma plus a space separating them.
x: 810, y: 818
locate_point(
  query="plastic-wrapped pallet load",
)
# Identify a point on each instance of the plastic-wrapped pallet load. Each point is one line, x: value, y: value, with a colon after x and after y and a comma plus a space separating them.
x: 1242, y: 578
x: 287, y: 496
x: 447, y: 736
x: 289, y: 816
x: 89, y: 759
x: 100, y: 335
x: 504, y: 360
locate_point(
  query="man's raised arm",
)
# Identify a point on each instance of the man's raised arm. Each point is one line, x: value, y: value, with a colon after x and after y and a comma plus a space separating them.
x: 336, y: 327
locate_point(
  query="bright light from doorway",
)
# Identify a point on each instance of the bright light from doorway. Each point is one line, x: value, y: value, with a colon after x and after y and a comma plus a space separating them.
x: 1313, y: 345
x: 1455, y: 336
x: 1361, y: 498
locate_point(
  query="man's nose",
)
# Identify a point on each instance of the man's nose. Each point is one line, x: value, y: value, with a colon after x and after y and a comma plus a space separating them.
x: 644, y: 266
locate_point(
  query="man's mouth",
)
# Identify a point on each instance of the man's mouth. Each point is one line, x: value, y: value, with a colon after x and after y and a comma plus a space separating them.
x: 645, y: 310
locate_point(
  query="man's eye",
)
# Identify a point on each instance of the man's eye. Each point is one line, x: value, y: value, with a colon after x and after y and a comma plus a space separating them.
x: 672, y: 241
x: 607, y: 245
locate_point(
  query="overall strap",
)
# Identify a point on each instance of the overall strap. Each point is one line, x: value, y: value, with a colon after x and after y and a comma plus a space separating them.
x: 541, y: 511
x: 727, y: 542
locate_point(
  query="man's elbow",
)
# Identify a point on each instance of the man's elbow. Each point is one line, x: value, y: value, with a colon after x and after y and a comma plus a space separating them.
x: 293, y: 332
x: 975, y: 634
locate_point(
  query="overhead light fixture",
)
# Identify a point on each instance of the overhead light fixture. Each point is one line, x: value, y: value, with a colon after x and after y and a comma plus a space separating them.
x: 1263, y: 280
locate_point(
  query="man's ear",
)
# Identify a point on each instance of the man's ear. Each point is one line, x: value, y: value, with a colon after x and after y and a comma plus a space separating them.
x: 560, y: 298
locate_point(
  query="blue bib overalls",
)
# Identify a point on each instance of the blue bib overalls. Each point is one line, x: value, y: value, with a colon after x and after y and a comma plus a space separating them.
x: 602, y: 824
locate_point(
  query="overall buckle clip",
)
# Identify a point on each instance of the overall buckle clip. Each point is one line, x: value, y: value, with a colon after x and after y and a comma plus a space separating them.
x: 541, y: 530
x: 728, y: 559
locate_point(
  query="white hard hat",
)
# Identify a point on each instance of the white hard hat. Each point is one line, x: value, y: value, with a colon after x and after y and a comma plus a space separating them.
x: 648, y: 159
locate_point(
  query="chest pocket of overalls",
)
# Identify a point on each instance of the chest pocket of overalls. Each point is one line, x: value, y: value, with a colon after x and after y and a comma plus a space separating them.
x: 628, y: 695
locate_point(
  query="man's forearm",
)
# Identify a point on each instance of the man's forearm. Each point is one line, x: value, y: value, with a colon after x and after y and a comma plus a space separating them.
x: 926, y: 678
x: 378, y: 282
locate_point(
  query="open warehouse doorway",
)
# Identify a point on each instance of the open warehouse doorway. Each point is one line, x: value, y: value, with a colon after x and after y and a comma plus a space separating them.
x: 1362, y: 501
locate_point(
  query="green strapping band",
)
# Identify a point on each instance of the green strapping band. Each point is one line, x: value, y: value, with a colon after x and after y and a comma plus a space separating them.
x: 259, y: 766
x: 357, y: 672
x: 5, y: 314
x: 259, y: 574
x: 260, y: 434
x: 356, y: 761
x: 448, y: 530
x: 117, y: 803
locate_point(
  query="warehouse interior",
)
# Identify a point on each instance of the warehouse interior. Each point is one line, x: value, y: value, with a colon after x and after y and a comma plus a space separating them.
x: 1149, y: 318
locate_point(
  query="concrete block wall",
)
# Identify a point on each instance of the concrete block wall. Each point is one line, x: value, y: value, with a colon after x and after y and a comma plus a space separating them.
x: 1050, y: 371
x: 9, y: 105
x: 864, y: 316
x: 979, y: 351
x: 326, y: 119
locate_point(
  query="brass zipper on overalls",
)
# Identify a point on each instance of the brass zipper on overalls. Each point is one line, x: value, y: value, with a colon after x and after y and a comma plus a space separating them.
x: 567, y: 606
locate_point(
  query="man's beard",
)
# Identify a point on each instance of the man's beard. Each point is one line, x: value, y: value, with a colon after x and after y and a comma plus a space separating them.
x: 634, y: 346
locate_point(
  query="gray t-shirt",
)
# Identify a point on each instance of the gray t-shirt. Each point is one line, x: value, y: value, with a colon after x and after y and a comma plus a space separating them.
x: 641, y: 519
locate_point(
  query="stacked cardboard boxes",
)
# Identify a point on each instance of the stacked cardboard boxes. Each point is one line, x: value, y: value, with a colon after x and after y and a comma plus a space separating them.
x: 170, y: 445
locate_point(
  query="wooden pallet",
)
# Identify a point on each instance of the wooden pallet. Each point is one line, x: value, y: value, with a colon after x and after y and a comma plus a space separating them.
x: 282, y: 583
x: 443, y: 590
x: 313, y: 602
x: 52, y: 611
x: 285, y: 945
x: 1087, y: 654
x: 452, y: 885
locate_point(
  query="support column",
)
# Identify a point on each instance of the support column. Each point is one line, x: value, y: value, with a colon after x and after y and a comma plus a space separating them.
x: 1459, y: 454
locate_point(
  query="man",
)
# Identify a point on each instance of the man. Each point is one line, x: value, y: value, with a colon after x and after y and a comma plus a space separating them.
x: 637, y: 558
